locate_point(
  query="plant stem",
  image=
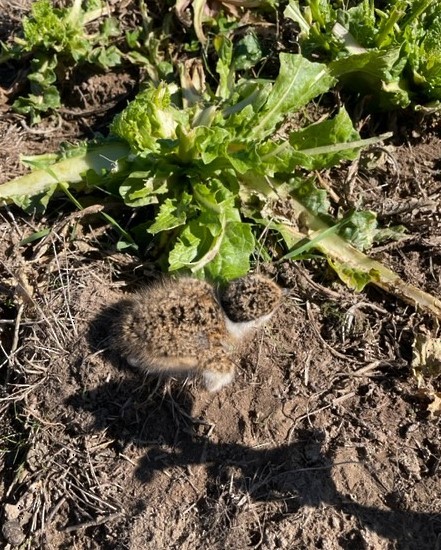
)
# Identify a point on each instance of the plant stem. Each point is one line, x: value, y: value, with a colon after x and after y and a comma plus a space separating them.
x: 71, y: 170
x: 337, y: 249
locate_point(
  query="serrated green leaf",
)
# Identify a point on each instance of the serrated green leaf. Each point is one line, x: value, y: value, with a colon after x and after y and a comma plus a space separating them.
x: 361, y: 229
x: 233, y: 258
x: 186, y: 248
x: 142, y: 188
x: 150, y: 120
x: 224, y: 50
x: 211, y: 143
x: 216, y: 198
x: 105, y: 57
x: 319, y: 145
x: 314, y: 199
x: 377, y: 71
x: 172, y: 213
x: 247, y: 52
x: 209, y: 237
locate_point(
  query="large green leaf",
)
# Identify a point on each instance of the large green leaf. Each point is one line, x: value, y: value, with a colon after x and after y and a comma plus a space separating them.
x: 298, y: 82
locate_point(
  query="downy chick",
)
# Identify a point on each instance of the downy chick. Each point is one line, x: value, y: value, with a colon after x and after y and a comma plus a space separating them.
x: 183, y: 327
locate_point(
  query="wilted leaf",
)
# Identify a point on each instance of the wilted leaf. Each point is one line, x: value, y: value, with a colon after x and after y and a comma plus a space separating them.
x: 426, y: 357
x: 354, y: 278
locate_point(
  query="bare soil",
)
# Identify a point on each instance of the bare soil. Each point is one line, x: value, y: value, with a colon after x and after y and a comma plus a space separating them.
x: 324, y: 439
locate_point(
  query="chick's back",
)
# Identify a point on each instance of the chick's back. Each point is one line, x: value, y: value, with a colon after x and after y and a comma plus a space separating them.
x: 175, y: 318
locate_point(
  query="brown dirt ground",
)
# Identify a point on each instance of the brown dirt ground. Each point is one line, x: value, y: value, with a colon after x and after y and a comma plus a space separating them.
x: 322, y: 441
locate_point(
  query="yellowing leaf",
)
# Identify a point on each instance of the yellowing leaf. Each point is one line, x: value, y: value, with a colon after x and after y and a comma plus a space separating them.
x: 426, y: 359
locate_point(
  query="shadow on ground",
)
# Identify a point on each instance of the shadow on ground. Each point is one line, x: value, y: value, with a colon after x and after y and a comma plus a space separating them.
x: 298, y: 473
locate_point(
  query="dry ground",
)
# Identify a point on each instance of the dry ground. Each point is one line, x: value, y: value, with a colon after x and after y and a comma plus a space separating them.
x: 322, y: 441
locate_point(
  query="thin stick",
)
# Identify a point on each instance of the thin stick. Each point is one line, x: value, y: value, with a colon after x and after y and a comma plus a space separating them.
x: 17, y: 329
x: 94, y: 523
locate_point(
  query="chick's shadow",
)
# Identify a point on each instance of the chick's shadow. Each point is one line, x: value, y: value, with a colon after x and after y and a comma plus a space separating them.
x: 298, y: 473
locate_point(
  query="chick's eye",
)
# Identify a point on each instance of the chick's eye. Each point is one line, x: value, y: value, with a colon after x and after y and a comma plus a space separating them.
x: 178, y: 313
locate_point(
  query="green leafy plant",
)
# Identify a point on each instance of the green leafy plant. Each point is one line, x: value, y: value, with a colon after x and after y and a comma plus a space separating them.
x: 390, y: 51
x: 55, y: 39
x: 210, y: 171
